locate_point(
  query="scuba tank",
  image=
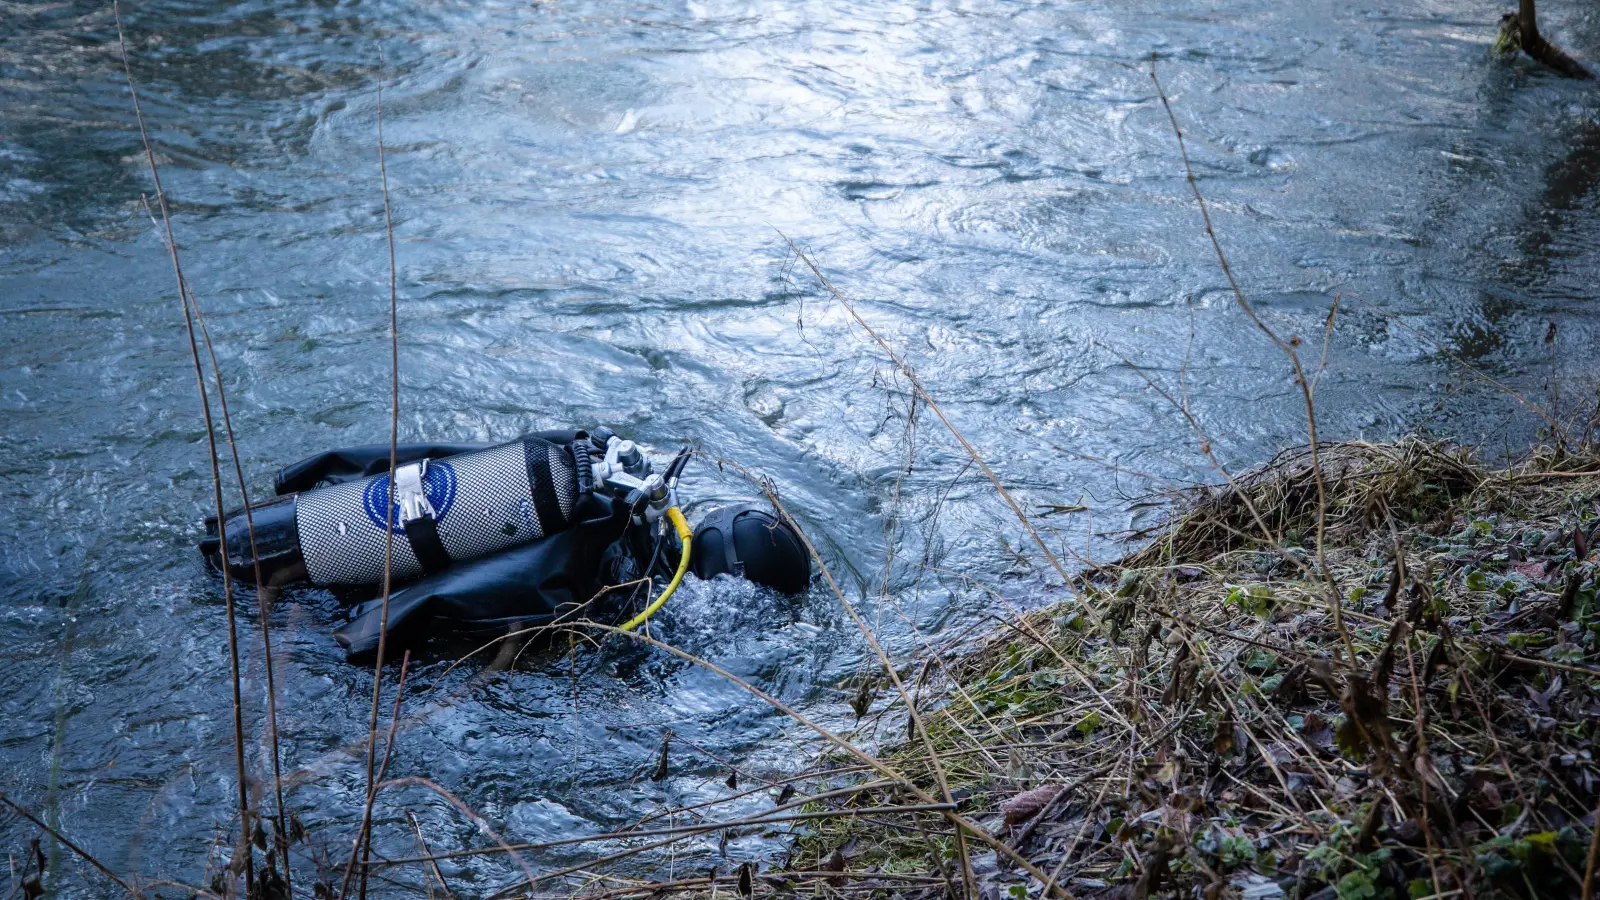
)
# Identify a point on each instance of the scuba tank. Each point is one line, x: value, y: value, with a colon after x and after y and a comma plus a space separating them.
x: 444, y: 510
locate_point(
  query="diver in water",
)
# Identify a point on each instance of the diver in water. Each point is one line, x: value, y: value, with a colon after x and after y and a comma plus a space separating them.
x: 491, y: 538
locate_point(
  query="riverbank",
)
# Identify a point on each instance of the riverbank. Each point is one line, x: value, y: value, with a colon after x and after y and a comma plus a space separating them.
x: 1191, y: 725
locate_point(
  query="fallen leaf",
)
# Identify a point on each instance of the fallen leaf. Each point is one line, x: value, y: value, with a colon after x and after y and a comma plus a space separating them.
x: 1170, y: 771
x: 862, y: 701
x: 1532, y: 569
x: 1424, y: 767
x: 1409, y: 833
x: 1028, y: 804
x: 1489, y: 793
x: 1291, y: 689
x: 834, y: 863
x: 1551, y: 691
x: 1539, y: 699
x: 660, y: 773
x: 1222, y: 740
x: 1157, y: 852
x: 1179, y: 820
x: 1054, y: 509
x: 1569, y: 595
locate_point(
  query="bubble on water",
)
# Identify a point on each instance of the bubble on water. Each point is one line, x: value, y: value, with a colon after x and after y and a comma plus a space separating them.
x: 761, y: 398
x: 1272, y: 158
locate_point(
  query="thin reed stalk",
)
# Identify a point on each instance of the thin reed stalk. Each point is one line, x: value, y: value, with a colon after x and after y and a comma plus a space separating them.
x: 776, y: 878
x: 211, y: 442
x: 394, y: 718
x: 262, y: 602
x: 1207, y: 446
x: 927, y: 398
x: 389, y: 750
x: 686, y: 831
x: 1335, y: 601
x: 814, y: 774
x: 433, y: 867
x: 911, y: 707
x: 464, y: 809
x: 67, y: 842
x: 365, y: 832
x: 761, y: 818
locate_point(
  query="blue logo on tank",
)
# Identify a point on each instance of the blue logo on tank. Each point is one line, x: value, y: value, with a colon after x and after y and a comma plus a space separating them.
x: 439, y: 484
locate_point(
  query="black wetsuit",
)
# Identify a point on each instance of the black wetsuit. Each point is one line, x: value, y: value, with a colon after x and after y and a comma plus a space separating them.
x: 535, y: 583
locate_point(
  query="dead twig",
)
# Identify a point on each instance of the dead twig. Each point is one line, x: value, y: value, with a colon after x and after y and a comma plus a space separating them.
x: 427, y: 852
x: 1335, y: 602
x: 684, y: 831
x: 211, y: 442
x: 927, y: 398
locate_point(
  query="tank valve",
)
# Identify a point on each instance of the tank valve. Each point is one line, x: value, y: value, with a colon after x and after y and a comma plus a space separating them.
x: 628, y: 454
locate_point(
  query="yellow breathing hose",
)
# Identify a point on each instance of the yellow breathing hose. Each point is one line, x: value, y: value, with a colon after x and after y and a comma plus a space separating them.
x: 685, y: 538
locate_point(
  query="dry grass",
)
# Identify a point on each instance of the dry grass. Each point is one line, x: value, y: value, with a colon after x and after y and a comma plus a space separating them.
x: 1454, y: 757
x: 1407, y: 482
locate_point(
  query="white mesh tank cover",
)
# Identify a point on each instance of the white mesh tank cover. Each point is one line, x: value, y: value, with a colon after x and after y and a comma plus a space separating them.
x: 483, y: 502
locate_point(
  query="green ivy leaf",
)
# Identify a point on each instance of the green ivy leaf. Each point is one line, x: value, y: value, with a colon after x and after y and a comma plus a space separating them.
x: 1357, y: 885
x: 1261, y: 661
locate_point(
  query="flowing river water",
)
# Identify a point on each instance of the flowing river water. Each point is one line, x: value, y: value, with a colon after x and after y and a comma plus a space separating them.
x: 590, y: 204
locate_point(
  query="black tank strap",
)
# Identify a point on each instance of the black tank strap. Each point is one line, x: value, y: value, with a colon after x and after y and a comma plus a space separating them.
x: 423, y: 535
x: 542, y: 485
